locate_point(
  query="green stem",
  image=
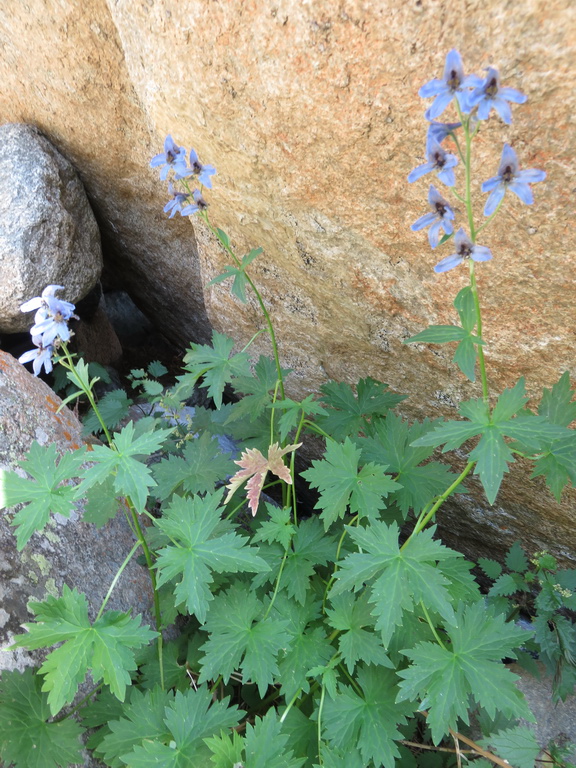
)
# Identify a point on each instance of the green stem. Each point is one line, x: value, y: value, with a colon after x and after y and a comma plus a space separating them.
x: 79, y: 705
x: 115, y: 579
x: 277, y: 585
x: 431, y: 625
x: 481, y: 359
x: 489, y: 219
x: 333, y: 577
x: 441, y: 499
x: 293, y: 701
x: 260, y: 302
x: 320, y: 708
x: 293, y: 470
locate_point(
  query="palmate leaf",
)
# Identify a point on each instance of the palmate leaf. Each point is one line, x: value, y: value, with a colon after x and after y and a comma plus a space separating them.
x: 343, y: 486
x: 370, y: 722
x: 106, y: 647
x: 402, y: 577
x: 557, y: 406
x: 191, y: 523
x: 266, y: 745
x: 256, y: 390
x: 518, y: 746
x: 311, y: 548
x: 239, y: 274
x: 240, y: 639
x: 47, y: 490
x: 349, y: 615
x: 101, y: 503
x: 447, y: 676
x: 131, y: 477
x: 215, y: 365
x: 26, y: 739
x: 190, y: 718
x: 113, y: 407
x: 391, y: 445
x: 291, y: 411
x: 351, y: 414
x: 198, y: 470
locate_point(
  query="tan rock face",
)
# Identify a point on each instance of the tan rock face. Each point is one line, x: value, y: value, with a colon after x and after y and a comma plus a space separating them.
x: 311, y: 115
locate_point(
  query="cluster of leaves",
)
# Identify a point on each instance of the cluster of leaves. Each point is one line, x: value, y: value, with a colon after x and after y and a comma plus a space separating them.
x: 309, y: 637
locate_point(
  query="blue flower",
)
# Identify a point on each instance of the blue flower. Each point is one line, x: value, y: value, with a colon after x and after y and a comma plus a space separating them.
x: 490, y: 95
x: 438, y: 160
x: 173, y: 157
x: 41, y: 356
x: 440, y: 131
x: 180, y: 198
x: 451, y: 86
x: 202, y: 171
x: 510, y: 177
x: 441, y: 217
x: 55, y: 323
x: 465, y: 249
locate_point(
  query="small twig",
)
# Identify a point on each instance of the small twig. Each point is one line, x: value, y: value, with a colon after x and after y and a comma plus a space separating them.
x: 477, y: 748
x: 435, y: 749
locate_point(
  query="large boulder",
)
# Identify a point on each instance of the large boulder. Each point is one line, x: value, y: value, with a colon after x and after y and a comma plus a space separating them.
x: 48, y: 233
x: 310, y: 113
x: 69, y: 551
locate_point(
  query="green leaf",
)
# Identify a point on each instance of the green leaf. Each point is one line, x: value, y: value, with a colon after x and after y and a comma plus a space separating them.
x: 201, y: 467
x: 402, y: 576
x: 198, y: 551
x: 351, y: 414
x: 142, y: 719
x: 223, y: 237
x: 104, y: 647
x: 291, y: 412
x: 238, y: 639
x: 240, y: 281
x: 101, y: 503
x: 491, y: 456
x: 465, y: 356
x: 369, y: 722
x: 278, y: 527
x: 26, y: 739
x: 556, y: 405
x: 266, y: 745
x: 464, y: 305
x: 113, y: 407
x: 516, y: 559
x: 156, y: 369
x: 310, y: 548
x: 391, y: 446
x: 518, y: 746
x: 343, y: 486
x: 131, y: 477
x: 510, y: 402
x: 257, y: 390
x: 215, y: 365
x: 447, y: 676
x: 48, y: 490
x: 491, y: 568
x: 349, y: 615
x: 191, y: 718
x: 438, y: 334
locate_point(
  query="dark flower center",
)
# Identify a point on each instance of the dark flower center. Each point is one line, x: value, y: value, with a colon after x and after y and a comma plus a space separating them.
x: 197, y: 166
x: 440, y: 209
x: 492, y: 88
x: 58, y: 317
x: 201, y: 203
x: 453, y: 81
x: 465, y: 250
x: 508, y: 174
x: 439, y: 159
x: 170, y: 156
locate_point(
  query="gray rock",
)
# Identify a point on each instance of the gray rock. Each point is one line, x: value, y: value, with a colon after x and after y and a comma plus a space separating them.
x: 48, y: 233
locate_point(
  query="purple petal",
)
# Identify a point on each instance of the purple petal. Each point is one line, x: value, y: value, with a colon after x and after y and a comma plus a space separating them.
x: 490, y: 184
x: 509, y: 159
x: 434, y: 233
x: 27, y: 357
x: 494, y: 200
x: 462, y: 239
x: 511, y: 94
x: 431, y: 88
x: 446, y: 175
x: 439, y: 105
x: 453, y: 64
x: 523, y: 191
x: 423, y: 221
x: 448, y: 263
x: 31, y: 304
x: 420, y: 171
x: 188, y: 210
x: 530, y: 175
x: 472, y: 81
x: 503, y: 109
x: 484, y: 107
x: 481, y: 253
x: 158, y: 160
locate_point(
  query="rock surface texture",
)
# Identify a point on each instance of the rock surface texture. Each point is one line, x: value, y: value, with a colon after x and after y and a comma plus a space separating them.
x: 48, y: 233
x: 311, y: 115
x: 68, y: 551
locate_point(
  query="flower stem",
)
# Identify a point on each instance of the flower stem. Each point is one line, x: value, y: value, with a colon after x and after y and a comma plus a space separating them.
x: 481, y: 359
x: 115, y: 579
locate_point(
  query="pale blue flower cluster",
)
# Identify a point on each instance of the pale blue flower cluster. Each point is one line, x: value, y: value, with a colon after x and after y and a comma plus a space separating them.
x: 173, y: 159
x: 49, y: 329
x: 475, y: 98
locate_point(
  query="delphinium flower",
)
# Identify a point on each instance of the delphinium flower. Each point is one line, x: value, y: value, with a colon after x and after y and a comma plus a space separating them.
x: 438, y: 160
x: 40, y: 356
x: 180, y: 198
x: 441, y: 217
x: 489, y: 94
x: 465, y: 249
x: 454, y: 84
x: 50, y: 327
x: 440, y: 131
x: 173, y: 158
x: 510, y: 177
x: 202, y: 171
